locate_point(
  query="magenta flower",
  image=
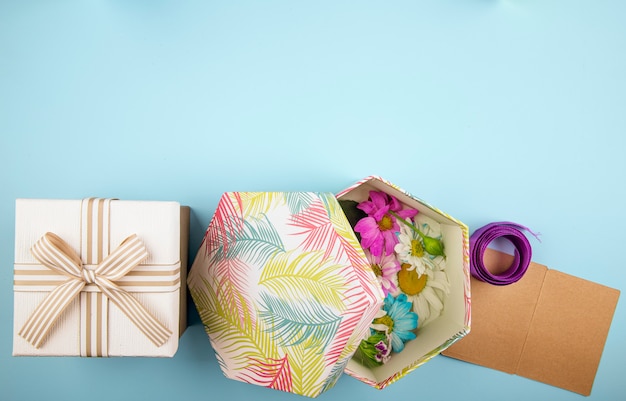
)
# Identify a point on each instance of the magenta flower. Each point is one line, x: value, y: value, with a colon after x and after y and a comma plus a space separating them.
x: 378, y: 230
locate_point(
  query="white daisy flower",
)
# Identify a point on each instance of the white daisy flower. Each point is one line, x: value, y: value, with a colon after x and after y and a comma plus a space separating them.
x: 426, y: 291
x: 410, y: 250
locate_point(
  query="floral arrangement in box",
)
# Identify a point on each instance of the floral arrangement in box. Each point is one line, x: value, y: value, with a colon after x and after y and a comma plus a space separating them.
x: 406, y: 252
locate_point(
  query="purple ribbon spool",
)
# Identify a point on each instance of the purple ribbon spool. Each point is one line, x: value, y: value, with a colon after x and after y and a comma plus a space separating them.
x: 482, y: 237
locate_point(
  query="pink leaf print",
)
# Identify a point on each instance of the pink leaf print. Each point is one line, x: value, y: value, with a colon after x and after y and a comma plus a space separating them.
x: 317, y: 227
x: 361, y: 268
x: 227, y: 221
x: 230, y: 273
x: 320, y: 233
x: 272, y: 373
x: 348, y: 324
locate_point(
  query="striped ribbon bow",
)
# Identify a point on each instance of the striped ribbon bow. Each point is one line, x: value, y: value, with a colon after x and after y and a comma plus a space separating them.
x: 54, y: 253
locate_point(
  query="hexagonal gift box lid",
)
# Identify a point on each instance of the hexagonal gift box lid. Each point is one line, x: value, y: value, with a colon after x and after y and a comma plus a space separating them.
x: 284, y: 289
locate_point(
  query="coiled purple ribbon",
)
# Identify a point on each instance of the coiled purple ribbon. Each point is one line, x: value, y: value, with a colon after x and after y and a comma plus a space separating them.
x: 482, y: 237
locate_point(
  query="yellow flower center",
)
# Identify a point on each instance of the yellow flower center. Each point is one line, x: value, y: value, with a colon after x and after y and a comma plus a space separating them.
x: 377, y: 270
x: 417, y: 249
x: 385, y: 223
x: 410, y: 282
x: 386, y: 320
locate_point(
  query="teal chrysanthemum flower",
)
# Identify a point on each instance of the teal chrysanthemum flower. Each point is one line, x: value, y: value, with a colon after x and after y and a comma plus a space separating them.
x: 400, y: 320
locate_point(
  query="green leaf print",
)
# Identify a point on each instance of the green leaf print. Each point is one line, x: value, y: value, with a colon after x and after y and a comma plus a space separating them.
x: 255, y: 204
x: 236, y: 339
x: 292, y: 323
x: 298, y: 201
x: 307, y: 276
x: 307, y: 369
x: 256, y: 242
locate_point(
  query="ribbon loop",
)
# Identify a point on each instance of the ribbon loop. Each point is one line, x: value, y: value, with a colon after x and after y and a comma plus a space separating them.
x: 482, y: 237
x: 56, y: 254
x: 123, y: 259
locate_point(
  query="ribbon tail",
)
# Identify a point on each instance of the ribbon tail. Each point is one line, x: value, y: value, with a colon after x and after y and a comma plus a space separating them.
x: 48, y: 311
x: 150, y: 326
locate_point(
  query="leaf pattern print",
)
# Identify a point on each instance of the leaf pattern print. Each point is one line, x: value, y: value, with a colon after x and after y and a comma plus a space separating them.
x: 259, y: 203
x: 346, y: 333
x: 335, y: 374
x: 325, y: 226
x: 315, y: 225
x: 272, y: 373
x: 232, y: 273
x: 307, y: 276
x: 236, y: 339
x: 307, y: 369
x: 256, y: 242
x: 203, y: 298
x: 223, y: 225
x: 346, y: 239
x: 298, y: 201
x: 293, y: 323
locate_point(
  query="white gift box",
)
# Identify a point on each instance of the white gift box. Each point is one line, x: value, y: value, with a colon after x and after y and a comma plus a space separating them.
x: 118, y: 303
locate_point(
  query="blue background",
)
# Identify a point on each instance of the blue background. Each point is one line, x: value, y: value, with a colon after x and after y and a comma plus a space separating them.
x: 490, y: 110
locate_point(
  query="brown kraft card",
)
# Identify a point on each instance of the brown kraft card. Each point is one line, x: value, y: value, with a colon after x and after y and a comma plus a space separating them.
x: 549, y: 326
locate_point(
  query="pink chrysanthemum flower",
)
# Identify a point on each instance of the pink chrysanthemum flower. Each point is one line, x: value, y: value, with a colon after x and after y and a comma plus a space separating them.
x: 378, y: 230
x: 385, y: 268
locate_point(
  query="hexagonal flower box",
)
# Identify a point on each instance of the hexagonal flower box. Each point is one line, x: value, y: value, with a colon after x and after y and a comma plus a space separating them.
x: 453, y: 321
x: 284, y: 290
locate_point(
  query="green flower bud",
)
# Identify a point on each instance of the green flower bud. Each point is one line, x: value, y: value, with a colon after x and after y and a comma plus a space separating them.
x: 434, y: 246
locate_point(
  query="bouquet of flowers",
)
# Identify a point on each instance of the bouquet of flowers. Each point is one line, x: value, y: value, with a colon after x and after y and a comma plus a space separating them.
x: 406, y: 252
